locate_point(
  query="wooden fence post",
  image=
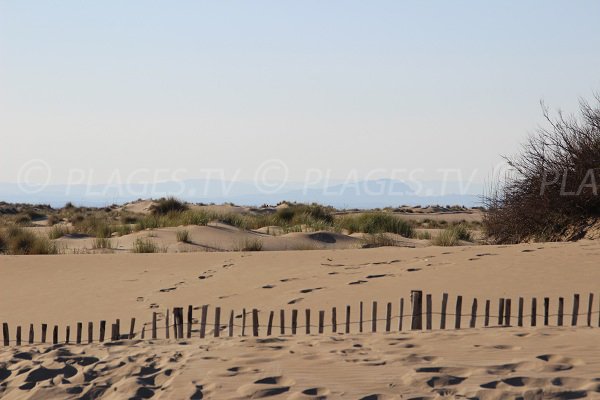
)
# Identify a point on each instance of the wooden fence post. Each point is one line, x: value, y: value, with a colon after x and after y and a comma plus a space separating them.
x: 79, y: 331
x: 282, y: 322
x: 347, y: 319
x: 154, y: 325
x: 68, y: 334
x: 473, y: 321
x: 520, y: 312
x: 179, y: 320
x: 55, y: 335
x: 244, y: 322
x: 575, y: 315
x: 307, y: 313
x: 217, y: 326
x: 416, y: 297
x: 270, y: 323
x: 388, y: 318
x: 401, y: 318
x: 231, y: 323
x: 321, y: 320
x: 118, y: 329
x: 254, y: 322
x: 132, y: 329
x: 190, y: 319
x: 90, y: 332
x: 333, y: 319
x: 5, y: 333
x: 102, y: 330
x: 589, y: 313
x: 204, y: 317
x: 360, y: 318
x: 486, y: 321
x: 31, y: 334
x: 374, y: 317
x: 546, y: 310
x: 533, y: 311
x: 561, y: 305
x: 44, y: 331
x: 167, y: 327
x: 429, y: 311
x: 443, y: 311
x: 294, y: 321
x: 507, y: 311
x: 501, y: 311
x: 458, y: 312
x: 18, y: 335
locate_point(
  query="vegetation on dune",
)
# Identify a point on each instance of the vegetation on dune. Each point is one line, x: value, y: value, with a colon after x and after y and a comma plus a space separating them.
x: 249, y: 244
x: 145, y: 246
x: 452, y: 235
x: 58, y: 231
x: 183, y: 235
x: 18, y: 241
x: 167, y: 205
x: 375, y: 222
x: 552, y: 193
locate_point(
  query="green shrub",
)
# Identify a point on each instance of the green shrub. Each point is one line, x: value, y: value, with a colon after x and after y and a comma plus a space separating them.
x: 20, y: 241
x: 166, y: 205
x: 183, y: 236
x: 122, y: 230
x: 423, y: 235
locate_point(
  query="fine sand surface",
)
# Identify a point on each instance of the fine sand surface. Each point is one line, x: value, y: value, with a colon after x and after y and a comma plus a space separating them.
x: 476, y: 363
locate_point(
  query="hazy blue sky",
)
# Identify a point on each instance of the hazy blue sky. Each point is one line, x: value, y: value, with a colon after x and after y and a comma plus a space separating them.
x: 337, y: 85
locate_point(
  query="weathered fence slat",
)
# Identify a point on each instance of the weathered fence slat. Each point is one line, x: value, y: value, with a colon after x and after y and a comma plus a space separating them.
x: 18, y: 335
x: 534, y: 311
x: 282, y: 321
x: 31, y: 334
x: 254, y: 322
x: 417, y: 310
x: 458, y: 314
x: 5, y: 333
x: 561, y: 305
x: 388, y: 318
x: 217, y: 327
x: 78, y: 333
x: 473, y: 321
x: 520, y: 312
x: 190, y: 319
x: 154, y: 325
x: 589, y: 313
x: 347, y: 319
x: 429, y: 311
x: 507, y: 312
x: 321, y: 320
x: 90, y: 332
x: 333, y: 319
x: 501, y: 311
x: 401, y: 319
x: 307, y: 319
x: 203, y: 318
x: 443, y: 311
x: 118, y: 329
x: 68, y: 334
x: 294, y: 321
x: 167, y: 327
x: 132, y: 328
x: 360, y: 318
x: 231, y: 323
x: 486, y: 321
x: 575, y: 310
x: 44, y: 332
x: 55, y: 335
x: 270, y: 323
x: 546, y: 310
x: 244, y: 322
x: 374, y: 317
x: 103, y: 330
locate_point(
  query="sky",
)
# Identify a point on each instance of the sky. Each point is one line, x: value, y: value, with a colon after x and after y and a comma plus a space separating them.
x: 158, y: 90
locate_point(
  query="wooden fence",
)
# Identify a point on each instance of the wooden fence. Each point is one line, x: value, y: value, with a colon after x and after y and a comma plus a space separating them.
x: 420, y: 315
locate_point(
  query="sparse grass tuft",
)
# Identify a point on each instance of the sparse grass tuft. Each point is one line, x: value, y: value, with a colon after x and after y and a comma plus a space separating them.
x: 58, y: 231
x: 183, y: 236
x: 377, y: 240
x: 102, y: 243
x: 20, y: 241
x: 145, y: 246
x: 375, y: 222
x: 452, y: 235
x: 422, y: 235
x: 249, y: 244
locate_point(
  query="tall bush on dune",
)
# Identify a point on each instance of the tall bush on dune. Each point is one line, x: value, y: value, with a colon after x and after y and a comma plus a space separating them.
x: 552, y: 193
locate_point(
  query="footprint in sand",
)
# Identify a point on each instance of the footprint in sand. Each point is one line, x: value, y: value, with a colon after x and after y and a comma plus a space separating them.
x: 268, y: 286
x: 296, y: 300
x: 413, y: 269
x: 377, y: 276
x: 310, y: 290
x: 358, y: 282
x: 166, y: 290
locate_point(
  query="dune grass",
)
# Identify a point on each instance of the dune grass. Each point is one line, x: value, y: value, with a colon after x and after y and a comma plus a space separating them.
x: 102, y: 243
x: 18, y: 241
x: 146, y: 246
x: 452, y: 236
x: 248, y: 244
x: 375, y: 222
x: 58, y: 231
x: 183, y: 236
x: 377, y: 240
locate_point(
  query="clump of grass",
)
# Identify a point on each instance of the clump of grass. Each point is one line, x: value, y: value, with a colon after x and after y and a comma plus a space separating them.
x: 422, y: 235
x: 377, y: 240
x: 183, y: 235
x: 123, y: 230
x: 23, y: 220
x: 249, y: 244
x: 144, y: 246
x: 168, y: 204
x: 58, y: 231
x: 452, y: 235
x: 375, y: 222
x: 53, y: 220
x: 20, y: 241
x: 102, y: 243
